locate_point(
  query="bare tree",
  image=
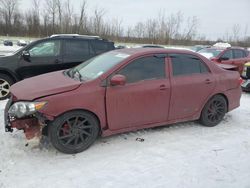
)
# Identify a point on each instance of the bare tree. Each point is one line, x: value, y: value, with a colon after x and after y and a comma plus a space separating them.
x: 98, y: 20
x: 191, y: 28
x: 68, y: 16
x: 83, y: 18
x: 173, y: 26
x: 36, y: 17
x: 151, y: 30
x: 60, y: 14
x: 139, y: 30
x: 8, y: 9
x: 236, y: 32
x: 51, y: 8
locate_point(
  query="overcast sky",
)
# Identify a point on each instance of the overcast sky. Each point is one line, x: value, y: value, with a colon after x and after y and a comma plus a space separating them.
x: 216, y: 17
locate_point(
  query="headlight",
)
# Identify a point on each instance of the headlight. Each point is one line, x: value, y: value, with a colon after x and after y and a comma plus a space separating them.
x: 22, y: 109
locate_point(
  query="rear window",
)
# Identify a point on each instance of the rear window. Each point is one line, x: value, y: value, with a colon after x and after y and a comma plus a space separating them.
x: 184, y: 64
x: 101, y: 46
x: 76, y: 48
x: 239, y: 54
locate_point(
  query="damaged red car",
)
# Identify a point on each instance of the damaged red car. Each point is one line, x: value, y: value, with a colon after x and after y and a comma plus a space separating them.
x: 119, y: 91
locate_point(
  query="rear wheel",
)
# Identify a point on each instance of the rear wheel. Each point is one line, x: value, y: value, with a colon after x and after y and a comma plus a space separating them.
x: 74, y: 131
x: 214, y: 111
x: 5, y: 83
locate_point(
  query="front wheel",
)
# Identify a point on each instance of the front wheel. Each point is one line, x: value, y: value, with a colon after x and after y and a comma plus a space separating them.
x: 73, y: 132
x: 214, y: 111
x: 5, y: 83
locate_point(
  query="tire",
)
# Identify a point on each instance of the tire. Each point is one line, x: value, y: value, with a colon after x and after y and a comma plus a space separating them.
x: 5, y: 83
x: 214, y: 111
x: 73, y: 132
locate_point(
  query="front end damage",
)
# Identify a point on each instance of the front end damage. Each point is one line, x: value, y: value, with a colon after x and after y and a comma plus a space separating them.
x: 32, y: 125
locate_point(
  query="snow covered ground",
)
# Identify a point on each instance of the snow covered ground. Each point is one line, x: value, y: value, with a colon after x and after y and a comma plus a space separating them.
x: 8, y: 49
x: 183, y: 155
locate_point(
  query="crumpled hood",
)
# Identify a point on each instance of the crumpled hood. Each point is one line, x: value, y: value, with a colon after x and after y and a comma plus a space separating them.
x: 43, y: 85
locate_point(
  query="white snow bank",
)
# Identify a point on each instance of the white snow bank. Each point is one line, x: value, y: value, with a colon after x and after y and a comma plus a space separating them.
x: 183, y: 155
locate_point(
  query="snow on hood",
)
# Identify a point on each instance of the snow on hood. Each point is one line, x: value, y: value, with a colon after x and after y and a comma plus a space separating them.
x: 43, y: 85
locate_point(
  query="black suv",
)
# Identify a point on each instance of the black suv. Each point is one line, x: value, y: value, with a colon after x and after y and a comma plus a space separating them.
x: 7, y: 43
x: 54, y: 53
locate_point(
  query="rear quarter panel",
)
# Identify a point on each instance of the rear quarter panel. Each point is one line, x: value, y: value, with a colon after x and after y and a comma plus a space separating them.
x: 228, y: 84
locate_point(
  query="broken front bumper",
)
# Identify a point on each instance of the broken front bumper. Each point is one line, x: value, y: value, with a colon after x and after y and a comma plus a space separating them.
x: 7, y: 124
x: 32, y: 126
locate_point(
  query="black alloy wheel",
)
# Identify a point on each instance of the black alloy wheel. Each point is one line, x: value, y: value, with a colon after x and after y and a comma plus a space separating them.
x: 74, y: 132
x: 214, y: 111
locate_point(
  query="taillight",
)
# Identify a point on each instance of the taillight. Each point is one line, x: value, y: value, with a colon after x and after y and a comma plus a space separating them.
x: 240, y: 81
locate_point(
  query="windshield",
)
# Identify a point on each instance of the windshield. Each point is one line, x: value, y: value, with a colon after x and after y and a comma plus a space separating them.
x: 210, y: 52
x: 98, y: 65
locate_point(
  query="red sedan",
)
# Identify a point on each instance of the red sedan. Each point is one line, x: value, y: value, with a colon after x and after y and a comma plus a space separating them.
x: 119, y: 91
x: 233, y: 56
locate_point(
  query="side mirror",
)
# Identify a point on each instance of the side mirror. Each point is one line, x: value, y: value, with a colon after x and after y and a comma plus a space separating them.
x: 118, y: 80
x: 26, y: 55
x: 214, y: 59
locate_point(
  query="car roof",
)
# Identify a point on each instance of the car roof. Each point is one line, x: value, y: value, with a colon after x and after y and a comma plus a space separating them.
x: 74, y: 36
x: 223, y: 48
x: 142, y: 51
x: 77, y: 36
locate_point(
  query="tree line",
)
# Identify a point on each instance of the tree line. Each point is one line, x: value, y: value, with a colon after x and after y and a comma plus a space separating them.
x: 48, y: 17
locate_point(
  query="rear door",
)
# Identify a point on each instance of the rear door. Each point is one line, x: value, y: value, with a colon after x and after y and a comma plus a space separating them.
x: 192, y: 83
x: 45, y: 56
x: 101, y: 46
x: 145, y: 97
x: 76, y: 51
x: 239, y: 59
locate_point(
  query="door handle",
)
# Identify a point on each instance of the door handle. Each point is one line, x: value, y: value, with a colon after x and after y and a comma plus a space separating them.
x: 163, y: 87
x: 208, y: 81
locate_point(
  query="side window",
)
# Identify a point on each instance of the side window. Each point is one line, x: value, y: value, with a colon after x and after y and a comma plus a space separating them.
x: 228, y: 54
x: 247, y: 53
x: 76, y: 48
x: 100, y: 46
x: 46, y: 49
x: 184, y: 64
x: 144, y: 68
x: 239, y: 54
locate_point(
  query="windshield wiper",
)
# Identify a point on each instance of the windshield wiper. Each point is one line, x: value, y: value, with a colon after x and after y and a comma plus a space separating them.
x: 76, y: 74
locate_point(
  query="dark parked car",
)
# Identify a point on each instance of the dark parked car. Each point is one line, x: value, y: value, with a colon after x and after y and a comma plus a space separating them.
x: 7, y: 43
x: 119, y: 91
x: 46, y: 55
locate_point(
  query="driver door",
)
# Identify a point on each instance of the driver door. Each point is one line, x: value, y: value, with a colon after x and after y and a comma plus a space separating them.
x: 144, y: 99
x: 227, y: 57
x: 41, y: 58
